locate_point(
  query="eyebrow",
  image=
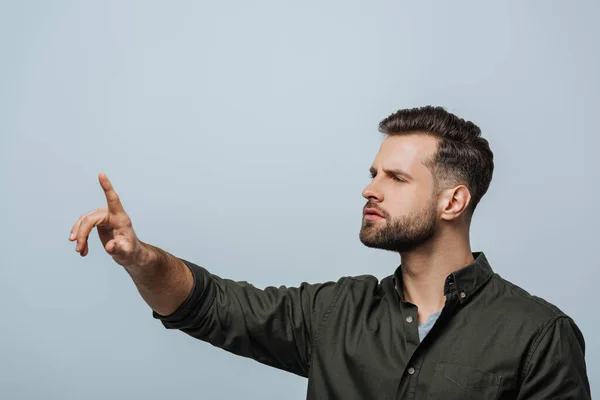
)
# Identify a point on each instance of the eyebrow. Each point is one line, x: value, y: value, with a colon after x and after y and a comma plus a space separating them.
x: 396, y: 172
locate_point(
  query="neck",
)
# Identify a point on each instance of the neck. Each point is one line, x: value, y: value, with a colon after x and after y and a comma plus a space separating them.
x: 424, y: 272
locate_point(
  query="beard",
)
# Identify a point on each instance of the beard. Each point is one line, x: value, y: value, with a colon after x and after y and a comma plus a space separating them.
x: 400, y: 234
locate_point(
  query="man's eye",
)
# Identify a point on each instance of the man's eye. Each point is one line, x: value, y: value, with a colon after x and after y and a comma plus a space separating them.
x: 398, y: 179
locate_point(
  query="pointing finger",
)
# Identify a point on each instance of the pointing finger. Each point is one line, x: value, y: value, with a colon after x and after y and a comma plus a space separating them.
x: 114, y: 203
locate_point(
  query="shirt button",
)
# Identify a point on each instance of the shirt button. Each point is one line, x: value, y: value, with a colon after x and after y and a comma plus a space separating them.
x: 463, y: 295
x: 409, y: 319
x: 411, y: 371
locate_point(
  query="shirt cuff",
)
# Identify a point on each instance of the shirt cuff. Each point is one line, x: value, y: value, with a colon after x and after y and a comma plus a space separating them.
x: 193, y: 302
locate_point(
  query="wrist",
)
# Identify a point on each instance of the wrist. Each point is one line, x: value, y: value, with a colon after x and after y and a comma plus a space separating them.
x: 148, y: 255
x: 145, y: 257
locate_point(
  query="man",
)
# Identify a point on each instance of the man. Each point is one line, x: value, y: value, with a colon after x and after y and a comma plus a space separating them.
x: 442, y: 326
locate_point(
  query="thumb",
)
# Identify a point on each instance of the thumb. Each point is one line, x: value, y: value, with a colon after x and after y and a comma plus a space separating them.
x: 122, y: 250
x: 116, y: 246
x: 111, y: 246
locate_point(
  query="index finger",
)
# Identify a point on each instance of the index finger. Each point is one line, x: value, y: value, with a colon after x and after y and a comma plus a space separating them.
x: 114, y: 203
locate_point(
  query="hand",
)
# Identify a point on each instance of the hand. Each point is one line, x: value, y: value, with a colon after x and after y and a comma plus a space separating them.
x: 114, y: 228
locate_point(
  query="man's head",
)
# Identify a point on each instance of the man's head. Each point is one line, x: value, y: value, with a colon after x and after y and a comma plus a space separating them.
x: 432, y: 168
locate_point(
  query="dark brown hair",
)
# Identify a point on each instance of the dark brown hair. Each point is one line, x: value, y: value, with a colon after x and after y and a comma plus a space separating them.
x: 463, y: 156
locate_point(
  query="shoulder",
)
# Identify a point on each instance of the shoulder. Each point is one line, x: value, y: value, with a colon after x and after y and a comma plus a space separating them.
x: 520, y: 303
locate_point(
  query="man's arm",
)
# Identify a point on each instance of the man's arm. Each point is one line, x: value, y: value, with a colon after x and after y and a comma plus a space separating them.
x: 274, y: 326
x: 556, y: 365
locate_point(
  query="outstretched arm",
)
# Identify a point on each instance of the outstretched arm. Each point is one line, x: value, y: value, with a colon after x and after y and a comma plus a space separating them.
x: 275, y: 326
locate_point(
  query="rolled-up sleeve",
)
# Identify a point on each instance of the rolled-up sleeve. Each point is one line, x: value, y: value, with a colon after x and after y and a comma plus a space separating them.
x: 275, y: 325
x: 556, y: 366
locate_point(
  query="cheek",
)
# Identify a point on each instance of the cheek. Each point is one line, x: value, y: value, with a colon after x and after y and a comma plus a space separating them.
x: 406, y: 200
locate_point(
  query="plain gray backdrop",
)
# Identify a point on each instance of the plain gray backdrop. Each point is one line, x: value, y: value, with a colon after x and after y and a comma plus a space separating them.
x: 239, y: 135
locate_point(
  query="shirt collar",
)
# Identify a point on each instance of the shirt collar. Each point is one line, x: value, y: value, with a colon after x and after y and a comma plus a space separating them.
x: 466, y: 280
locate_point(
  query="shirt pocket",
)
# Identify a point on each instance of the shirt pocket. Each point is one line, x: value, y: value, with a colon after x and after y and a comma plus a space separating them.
x: 455, y: 381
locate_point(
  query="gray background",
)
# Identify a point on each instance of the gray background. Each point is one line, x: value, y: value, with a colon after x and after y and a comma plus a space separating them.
x: 239, y: 136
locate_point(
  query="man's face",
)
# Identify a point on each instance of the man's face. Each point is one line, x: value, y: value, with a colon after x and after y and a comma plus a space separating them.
x: 406, y: 202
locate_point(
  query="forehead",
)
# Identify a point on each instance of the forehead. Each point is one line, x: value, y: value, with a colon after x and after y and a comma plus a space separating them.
x: 407, y: 152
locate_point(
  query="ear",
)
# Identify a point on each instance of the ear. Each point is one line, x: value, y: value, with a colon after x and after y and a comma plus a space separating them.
x: 454, y: 202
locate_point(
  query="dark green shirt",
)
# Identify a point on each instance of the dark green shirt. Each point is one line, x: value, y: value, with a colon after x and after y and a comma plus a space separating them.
x: 357, y: 338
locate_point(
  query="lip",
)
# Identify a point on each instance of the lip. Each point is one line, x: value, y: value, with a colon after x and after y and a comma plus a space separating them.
x: 371, y: 213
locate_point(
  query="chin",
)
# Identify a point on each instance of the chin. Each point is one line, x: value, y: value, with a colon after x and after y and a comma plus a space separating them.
x: 368, y: 239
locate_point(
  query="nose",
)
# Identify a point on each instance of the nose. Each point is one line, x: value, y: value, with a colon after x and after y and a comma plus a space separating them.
x: 372, y: 193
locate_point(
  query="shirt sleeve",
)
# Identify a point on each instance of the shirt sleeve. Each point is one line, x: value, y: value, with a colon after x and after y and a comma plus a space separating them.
x: 556, y: 366
x: 274, y: 326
